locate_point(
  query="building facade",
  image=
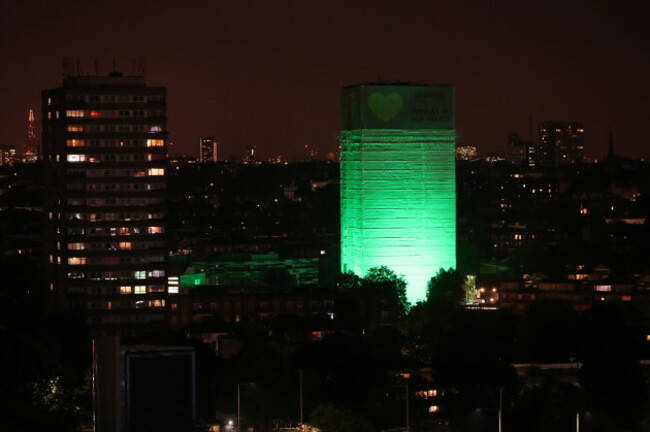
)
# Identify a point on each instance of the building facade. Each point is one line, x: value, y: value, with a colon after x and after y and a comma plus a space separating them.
x: 104, y: 150
x: 208, y: 149
x: 560, y: 143
x: 398, y: 181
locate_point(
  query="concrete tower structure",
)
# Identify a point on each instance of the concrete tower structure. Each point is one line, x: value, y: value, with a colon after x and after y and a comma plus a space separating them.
x: 398, y: 181
x: 104, y: 151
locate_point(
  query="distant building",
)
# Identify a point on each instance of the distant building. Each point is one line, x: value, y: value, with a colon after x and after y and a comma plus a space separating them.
x: 398, y: 181
x: 8, y: 155
x: 531, y: 155
x: 30, y: 149
x: 249, y: 157
x: 516, y: 151
x: 560, y: 143
x: 104, y: 148
x: 208, y: 149
x: 466, y: 153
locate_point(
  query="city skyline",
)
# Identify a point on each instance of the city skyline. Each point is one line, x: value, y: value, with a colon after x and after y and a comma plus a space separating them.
x: 268, y: 74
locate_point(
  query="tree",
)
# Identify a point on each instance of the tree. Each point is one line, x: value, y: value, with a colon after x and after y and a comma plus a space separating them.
x: 447, y: 286
x: 349, y: 282
x: 384, y: 280
x: 329, y: 418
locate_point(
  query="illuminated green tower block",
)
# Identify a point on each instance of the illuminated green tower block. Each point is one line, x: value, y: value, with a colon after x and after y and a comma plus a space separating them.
x: 398, y: 181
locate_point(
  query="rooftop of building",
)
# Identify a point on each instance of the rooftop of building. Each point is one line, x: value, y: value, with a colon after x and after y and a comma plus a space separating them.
x: 397, y: 83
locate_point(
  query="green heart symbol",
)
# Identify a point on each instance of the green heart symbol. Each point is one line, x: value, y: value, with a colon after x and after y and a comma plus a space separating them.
x: 385, y: 107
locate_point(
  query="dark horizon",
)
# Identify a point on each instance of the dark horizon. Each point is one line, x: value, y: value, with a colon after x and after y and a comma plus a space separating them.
x: 269, y: 74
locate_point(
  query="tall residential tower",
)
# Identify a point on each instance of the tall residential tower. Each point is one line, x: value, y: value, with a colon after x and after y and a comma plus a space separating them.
x: 104, y: 151
x: 208, y: 149
x: 561, y: 143
x: 398, y: 181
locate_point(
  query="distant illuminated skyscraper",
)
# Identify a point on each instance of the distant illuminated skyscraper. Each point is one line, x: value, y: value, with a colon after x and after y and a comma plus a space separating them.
x: 398, y: 181
x: 30, y: 149
x: 560, y: 143
x: 208, y: 148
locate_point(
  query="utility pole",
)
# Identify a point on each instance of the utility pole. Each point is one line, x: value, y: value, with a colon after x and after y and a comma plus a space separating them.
x: 301, y: 423
x: 500, y: 405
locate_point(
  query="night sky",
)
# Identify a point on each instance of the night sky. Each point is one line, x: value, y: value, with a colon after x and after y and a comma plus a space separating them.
x: 268, y: 73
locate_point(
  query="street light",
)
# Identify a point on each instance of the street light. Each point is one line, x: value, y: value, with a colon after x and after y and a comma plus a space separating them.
x: 499, y: 409
x: 239, y: 386
x: 406, y: 396
x: 301, y: 399
x: 578, y: 419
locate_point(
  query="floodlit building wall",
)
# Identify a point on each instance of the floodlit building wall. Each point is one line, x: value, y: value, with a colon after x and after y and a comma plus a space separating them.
x: 398, y: 187
x: 398, y: 203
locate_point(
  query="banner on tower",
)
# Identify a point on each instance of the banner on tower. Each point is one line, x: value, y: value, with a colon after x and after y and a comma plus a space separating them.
x: 373, y: 106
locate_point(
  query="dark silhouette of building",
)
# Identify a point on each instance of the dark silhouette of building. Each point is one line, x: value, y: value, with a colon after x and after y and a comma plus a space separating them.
x: 143, y: 387
x: 560, y: 143
x: 104, y: 147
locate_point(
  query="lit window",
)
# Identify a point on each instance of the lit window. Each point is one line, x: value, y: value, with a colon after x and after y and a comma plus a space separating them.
x: 76, y: 246
x: 140, y: 289
x: 75, y: 128
x: 155, y: 230
x: 155, y: 143
x: 602, y: 288
x: 626, y: 298
x: 74, y: 113
x: 76, y: 261
x: 125, y: 245
x: 95, y: 114
x: 125, y: 289
x: 434, y: 408
x: 156, y: 171
x: 172, y: 285
x: 75, y: 143
x: 140, y: 274
x: 76, y: 158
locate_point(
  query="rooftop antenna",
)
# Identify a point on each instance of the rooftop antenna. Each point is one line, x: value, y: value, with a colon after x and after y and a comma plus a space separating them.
x: 142, y: 65
x: 68, y: 69
x: 610, y: 148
